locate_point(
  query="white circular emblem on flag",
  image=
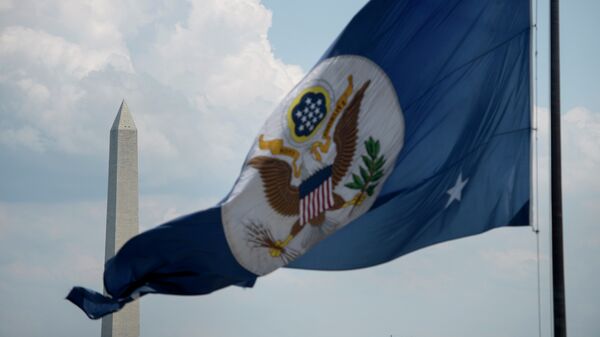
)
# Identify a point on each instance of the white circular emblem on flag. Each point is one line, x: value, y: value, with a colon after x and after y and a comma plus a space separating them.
x: 318, y: 162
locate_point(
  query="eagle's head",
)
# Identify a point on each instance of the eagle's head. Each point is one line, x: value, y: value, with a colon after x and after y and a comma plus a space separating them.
x: 310, y: 164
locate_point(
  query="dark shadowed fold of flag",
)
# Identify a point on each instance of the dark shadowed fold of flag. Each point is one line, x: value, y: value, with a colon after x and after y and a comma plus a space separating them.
x: 187, y: 256
x: 413, y: 129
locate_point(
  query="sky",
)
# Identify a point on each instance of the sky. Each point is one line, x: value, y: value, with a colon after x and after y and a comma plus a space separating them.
x: 65, y: 66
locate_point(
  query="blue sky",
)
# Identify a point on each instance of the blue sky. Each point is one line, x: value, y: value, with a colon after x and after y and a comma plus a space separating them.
x: 66, y: 65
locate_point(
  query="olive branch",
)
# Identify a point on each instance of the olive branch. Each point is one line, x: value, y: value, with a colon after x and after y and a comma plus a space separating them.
x: 370, y: 172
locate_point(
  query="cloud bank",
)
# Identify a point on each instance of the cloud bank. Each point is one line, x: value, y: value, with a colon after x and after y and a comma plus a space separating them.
x: 199, y: 76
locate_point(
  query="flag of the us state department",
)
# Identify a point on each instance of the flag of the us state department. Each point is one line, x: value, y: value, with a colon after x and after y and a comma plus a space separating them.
x: 413, y: 128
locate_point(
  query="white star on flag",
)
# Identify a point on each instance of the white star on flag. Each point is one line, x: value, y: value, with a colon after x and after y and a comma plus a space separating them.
x: 456, y: 191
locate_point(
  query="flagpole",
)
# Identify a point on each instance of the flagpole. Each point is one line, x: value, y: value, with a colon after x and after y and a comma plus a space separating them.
x: 558, y: 277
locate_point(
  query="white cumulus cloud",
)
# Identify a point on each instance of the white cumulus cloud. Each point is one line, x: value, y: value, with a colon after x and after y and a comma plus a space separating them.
x: 199, y: 76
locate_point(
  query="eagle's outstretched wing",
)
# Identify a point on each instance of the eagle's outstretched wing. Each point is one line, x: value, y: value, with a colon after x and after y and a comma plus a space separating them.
x: 345, y: 135
x: 276, y: 176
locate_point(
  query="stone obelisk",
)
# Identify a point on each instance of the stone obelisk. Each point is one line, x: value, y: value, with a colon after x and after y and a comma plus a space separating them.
x: 122, y: 212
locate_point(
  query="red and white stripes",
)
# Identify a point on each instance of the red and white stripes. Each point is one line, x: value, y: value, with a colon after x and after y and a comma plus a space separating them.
x: 316, y: 202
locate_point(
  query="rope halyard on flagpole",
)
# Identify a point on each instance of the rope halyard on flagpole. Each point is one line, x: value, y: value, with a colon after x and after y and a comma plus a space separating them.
x: 535, y: 226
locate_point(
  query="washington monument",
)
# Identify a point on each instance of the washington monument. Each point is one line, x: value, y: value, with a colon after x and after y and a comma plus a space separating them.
x: 122, y: 212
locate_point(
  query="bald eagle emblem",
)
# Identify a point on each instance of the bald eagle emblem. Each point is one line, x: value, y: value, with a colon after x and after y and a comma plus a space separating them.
x: 317, y: 167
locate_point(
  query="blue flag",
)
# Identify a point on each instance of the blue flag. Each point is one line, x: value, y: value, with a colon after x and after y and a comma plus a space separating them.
x: 413, y: 129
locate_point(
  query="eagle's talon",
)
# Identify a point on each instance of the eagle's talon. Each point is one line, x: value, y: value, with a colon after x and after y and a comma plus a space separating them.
x: 356, y: 201
x: 277, y: 248
x: 275, y: 251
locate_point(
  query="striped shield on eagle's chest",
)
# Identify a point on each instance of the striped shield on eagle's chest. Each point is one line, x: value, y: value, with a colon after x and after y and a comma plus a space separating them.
x: 320, y: 159
x: 316, y: 195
